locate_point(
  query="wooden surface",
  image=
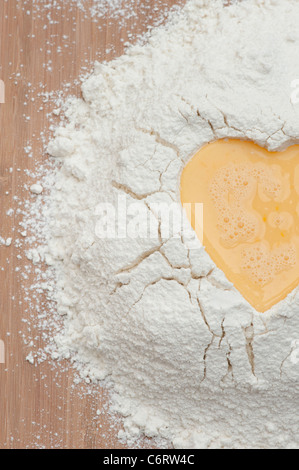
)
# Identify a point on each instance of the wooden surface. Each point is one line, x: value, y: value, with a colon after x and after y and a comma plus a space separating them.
x: 39, y: 405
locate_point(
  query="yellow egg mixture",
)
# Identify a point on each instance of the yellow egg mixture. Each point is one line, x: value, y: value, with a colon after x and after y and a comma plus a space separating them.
x: 251, y: 215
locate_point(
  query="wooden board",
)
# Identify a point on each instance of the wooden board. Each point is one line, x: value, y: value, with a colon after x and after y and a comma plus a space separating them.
x: 39, y: 406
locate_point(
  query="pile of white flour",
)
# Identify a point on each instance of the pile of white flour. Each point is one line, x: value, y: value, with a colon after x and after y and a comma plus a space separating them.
x: 186, y: 357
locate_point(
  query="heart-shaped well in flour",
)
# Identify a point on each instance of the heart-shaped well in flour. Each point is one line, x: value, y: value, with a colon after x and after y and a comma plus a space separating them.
x: 251, y: 215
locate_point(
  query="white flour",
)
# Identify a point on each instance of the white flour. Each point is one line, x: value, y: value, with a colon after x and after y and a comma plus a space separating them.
x: 97, y: 10
x: 186, y: 357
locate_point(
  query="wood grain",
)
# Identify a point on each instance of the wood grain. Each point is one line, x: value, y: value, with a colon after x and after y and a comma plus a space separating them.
x: 39, y: 406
